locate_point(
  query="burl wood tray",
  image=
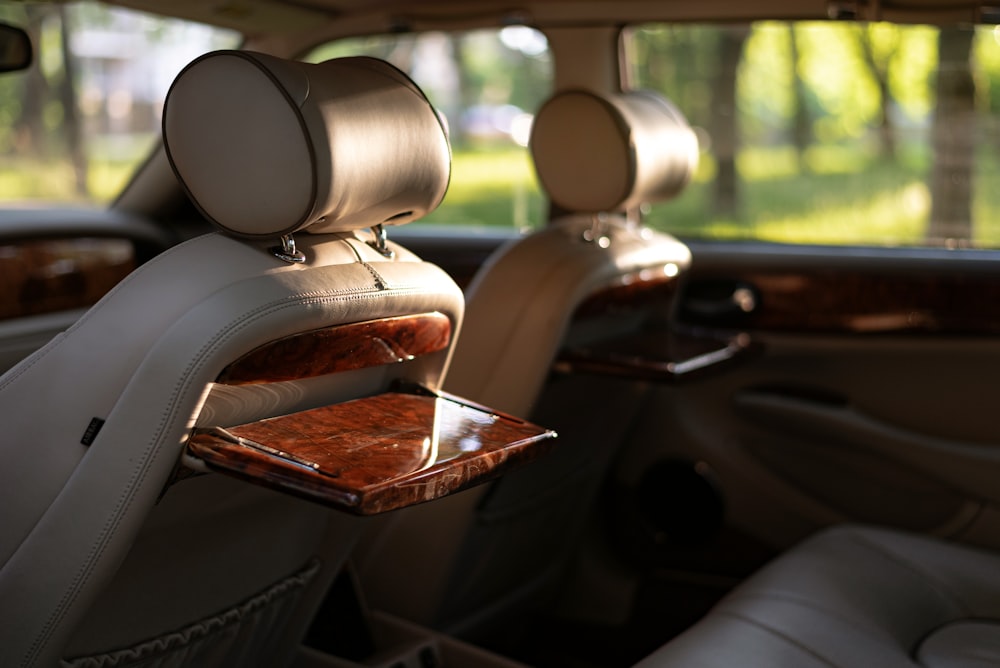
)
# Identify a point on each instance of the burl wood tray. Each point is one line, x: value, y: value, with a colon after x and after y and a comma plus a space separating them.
x: 379, y: 453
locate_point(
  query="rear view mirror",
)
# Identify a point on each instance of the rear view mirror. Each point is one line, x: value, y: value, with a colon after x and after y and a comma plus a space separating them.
x: 15, y: 48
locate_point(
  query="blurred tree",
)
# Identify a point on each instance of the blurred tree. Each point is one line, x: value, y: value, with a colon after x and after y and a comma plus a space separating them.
x: 29, y: 128
x: 465, y: 97
x: 724, y: 126
x: 953, y: 138
x: 802, y: 125
x: 879, y: 43
x: 71, y: 123
x: 679, y: 62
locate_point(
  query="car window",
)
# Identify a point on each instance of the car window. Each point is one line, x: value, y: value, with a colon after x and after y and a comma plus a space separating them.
x: 487, y: 84
x: 832, y: 133
x: 74, y: 126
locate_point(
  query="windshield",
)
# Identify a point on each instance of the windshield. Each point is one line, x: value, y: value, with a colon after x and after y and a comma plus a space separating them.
x: 74, y: 126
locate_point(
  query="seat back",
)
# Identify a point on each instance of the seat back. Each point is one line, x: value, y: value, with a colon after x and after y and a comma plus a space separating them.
x: 114, y: 552
x: 499, y: 550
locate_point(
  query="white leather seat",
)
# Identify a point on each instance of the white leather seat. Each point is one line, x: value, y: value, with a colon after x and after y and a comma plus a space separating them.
x: 488, y: 554
x: 108, y: 555
x: 854, y: 596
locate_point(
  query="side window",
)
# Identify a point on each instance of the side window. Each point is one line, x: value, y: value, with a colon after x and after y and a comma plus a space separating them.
x: 74, y: 126
x: 832, y: 133
x: 487, y: 84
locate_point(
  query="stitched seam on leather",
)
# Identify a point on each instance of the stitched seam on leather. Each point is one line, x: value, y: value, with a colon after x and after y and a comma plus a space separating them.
x: 778, y: 634
x: 932, y: 581
x: 181, y: 389
x: 380, y: 282
x: 140, y: 473
x: 205, y: 627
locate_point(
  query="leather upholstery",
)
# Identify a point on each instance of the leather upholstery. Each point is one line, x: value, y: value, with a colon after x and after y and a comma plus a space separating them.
x: 519, y: 307
x: 595, y: 154
x: 854, y: 596
x: 283, y: 145
x: 103, y: 552
x: 519, y: 312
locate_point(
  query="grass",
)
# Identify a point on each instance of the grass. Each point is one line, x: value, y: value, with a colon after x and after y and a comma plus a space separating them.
x: 843, y: 196
x: 881, y: 205
x: 491, y: 187
x: 55, y: 181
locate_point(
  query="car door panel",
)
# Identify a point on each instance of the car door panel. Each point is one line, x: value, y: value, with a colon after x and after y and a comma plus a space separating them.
x: 869, y: 396
x: 55, y: 263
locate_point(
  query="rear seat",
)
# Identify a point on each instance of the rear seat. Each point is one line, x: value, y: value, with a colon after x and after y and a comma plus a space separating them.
x: 854, y: 596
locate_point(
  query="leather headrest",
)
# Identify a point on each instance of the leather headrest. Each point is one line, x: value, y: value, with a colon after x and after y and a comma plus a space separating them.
x: 266, y: 146
x: 600, y: 154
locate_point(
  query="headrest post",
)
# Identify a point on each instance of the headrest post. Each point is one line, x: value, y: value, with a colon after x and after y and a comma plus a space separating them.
x: 287, y: 251
x: 379, y: 241
x: 598, y: 231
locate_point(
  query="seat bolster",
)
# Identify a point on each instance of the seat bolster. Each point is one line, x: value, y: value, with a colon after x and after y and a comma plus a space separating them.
x: 66, y: 549
x: 520, y: 305
x: 849, y: 596
x: 967, y: 644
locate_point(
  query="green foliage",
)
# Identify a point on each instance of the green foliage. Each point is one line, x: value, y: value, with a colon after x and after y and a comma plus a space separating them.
x: 912, y: 72
x: 764, y: 92
x: 495, y: 186
x: 677, y: 60
x: 811, y: 116
x: 461, y: 70
x: 878, y: 205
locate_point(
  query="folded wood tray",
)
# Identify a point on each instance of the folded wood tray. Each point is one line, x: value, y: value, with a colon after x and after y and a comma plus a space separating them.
x: 375, y: 454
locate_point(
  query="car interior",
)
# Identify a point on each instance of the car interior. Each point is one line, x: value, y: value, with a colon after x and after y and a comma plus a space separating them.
x: 557, y: 333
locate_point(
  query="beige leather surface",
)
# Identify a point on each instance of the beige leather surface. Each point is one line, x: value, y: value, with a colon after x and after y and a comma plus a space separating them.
x: 519, y: 307
x: 854, y: 596
x: 70, y: 512
x: 99, y: 557
x: 280, y: 146
x: 596, y: 153
x: 519, y: 311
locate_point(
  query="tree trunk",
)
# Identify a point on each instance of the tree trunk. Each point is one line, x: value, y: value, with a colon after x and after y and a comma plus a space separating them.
x: 29, y: 131
x: 464, y: 95
x: 802, y: 126
x: 71, y: 112
x: 880, y: 72
x: 953, y: 138
x: 724, y: 119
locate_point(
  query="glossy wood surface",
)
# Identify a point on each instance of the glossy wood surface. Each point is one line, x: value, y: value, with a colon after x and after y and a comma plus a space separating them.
x: 375, y: 454
x: 635, y: 290
x: 656, y: 356
x: 342, y: 348
x: 652, y: 351
x: 829, y: 301
x: 39, y: 276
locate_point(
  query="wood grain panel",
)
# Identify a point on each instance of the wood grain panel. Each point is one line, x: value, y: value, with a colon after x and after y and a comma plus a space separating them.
x: 40, y: 276
x: 341, y: 348
x: 651, y: 351
x: 829, y: 301
x: 648, y: 288
x: 375, y: 454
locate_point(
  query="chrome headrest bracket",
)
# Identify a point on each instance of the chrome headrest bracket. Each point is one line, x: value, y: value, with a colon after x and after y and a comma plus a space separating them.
x: 599, y: 231
x: 379, y: 242
x: 287, y: 251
